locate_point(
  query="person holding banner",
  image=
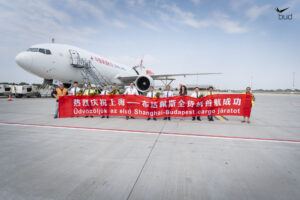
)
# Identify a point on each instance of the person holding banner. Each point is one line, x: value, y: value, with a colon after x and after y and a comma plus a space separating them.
x: 182, y: 92
x: 209, y: 93
x: 151, y: 94
x: 252, y: 99
x: 167, y: 93
x: 196, y: 94
x: 75, y: 90
x: 114, y: 91
x: 61, y: 91
x: 89, y: 90
x: 105, y: 92
x: 131, y: 91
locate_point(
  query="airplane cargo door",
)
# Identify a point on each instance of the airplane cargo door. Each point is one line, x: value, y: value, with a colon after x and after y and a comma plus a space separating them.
x: 74, y: 57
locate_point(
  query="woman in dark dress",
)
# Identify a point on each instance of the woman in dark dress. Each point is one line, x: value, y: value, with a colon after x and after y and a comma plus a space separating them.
x: 182, y: 92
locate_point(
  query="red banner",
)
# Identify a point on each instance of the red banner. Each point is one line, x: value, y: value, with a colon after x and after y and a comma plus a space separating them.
x: 140, y: 106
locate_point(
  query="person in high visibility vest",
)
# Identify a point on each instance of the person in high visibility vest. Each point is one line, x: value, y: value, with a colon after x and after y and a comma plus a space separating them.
x: 61, y: 91
x: 105, y: 92
x: 248, y: 91
x: 114, y: 91
x: 210, y: 92
x: 89, y: 91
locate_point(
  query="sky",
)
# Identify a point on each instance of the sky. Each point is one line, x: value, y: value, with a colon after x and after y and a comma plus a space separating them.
x: 243, y: 39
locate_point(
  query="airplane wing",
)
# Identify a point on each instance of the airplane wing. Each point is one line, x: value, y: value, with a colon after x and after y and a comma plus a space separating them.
x: 165, y: 76
x: 161, y: 76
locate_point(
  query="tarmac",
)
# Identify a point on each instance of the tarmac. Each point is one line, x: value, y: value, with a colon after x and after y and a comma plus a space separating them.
x: 42, y: 158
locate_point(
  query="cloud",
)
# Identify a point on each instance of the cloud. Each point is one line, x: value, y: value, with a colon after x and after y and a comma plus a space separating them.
x: 231, y: 26
x: 148, y: 25
x: 96, y: 11
x: 118, y: 24
x: 218, y: 19
x: 38, y: 21
x: 196, y: 2
x: 187, y: 18
x: 237, y: 4
x: 134, y: 3
x: 84, y: 8
x: 255, y: 12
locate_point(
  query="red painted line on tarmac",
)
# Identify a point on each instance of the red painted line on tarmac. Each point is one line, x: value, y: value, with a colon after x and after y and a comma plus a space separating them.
x: 153, y: 132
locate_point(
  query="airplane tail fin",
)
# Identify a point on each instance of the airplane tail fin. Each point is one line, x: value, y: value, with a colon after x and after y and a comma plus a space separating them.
x: 148, y: 72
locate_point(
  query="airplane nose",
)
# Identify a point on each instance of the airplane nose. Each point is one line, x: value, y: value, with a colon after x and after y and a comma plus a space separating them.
x: 24, y: 60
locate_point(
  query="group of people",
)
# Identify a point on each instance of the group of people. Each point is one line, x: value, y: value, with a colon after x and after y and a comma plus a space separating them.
x: 131, y: 90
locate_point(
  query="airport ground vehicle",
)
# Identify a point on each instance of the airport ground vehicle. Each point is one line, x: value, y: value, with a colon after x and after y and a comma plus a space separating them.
x: 5, y: 90
x: 25, y: 91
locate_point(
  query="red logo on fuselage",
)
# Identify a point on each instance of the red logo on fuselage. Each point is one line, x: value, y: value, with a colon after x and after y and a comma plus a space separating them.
x: 99, y: 60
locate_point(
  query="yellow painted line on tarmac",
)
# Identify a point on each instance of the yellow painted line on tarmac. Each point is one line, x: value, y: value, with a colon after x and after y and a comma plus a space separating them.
x: 220, y: 117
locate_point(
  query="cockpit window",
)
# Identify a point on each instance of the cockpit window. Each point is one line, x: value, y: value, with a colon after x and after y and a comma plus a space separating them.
x: 44, y: 51
x: 48, y: 51
x: 33, y: 49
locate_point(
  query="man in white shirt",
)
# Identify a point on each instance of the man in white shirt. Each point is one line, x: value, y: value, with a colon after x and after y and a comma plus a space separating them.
x: 151, y: 94
x: 131, y: 90
x: 74, y: 90
x: 168, y: 93
x: 196, y: 94
x: 105, y: 92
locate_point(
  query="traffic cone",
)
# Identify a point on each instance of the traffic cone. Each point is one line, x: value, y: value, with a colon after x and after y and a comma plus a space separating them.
x: 9, y: 97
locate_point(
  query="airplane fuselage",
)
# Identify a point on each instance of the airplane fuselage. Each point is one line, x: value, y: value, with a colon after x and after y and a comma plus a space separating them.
x: 57, y: 64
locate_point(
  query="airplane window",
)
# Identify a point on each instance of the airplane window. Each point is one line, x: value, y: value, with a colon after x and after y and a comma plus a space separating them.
x: 42, y: 51
x: 33, y: 49
x: 48, y: 51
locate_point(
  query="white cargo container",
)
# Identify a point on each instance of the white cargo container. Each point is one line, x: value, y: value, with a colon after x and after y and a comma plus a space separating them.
x: 5, y: 90
x: 25, y: 91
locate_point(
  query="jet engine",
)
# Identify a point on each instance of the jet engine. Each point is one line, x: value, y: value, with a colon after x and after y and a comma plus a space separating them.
x: 143, y: 83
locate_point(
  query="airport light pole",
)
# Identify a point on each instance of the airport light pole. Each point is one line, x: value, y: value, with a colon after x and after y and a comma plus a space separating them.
x: 294, y: 81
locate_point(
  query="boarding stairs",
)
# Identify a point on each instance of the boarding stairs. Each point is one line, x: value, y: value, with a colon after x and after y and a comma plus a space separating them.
x: 88, y: 71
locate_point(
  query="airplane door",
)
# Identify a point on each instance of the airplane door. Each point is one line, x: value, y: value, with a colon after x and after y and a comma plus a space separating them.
x: 74, y: 57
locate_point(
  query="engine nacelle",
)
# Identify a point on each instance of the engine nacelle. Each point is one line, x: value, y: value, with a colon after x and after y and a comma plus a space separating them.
x: 143, y: 83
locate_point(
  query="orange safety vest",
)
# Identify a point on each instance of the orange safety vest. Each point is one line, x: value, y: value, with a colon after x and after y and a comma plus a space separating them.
x: 60, y: 92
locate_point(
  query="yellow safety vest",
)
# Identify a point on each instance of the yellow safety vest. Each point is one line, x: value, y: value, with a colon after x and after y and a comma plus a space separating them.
x: 86, y: 92
x: 208, y: 93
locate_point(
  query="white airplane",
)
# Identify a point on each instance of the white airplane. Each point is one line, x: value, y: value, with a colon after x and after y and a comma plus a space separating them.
x: 67, y: 64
